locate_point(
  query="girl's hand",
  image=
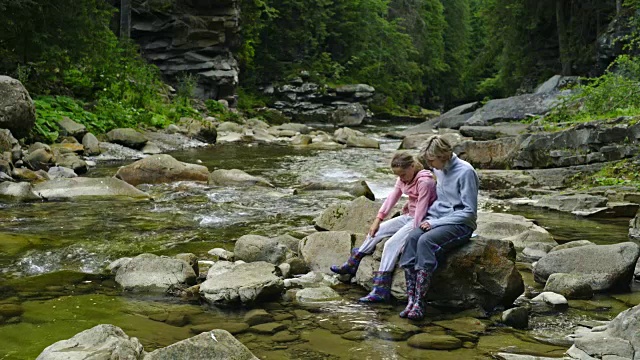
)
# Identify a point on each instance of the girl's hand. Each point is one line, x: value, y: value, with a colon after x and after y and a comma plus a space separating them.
x: 374, y: 227
x: 425, y: 226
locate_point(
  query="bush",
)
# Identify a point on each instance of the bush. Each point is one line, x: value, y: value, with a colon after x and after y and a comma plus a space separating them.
x: 614, y: 94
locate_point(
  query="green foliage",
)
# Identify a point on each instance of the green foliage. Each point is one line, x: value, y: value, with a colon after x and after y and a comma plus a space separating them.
x: 67, y: 48
x: 614, y: 94
x: 624, y: 172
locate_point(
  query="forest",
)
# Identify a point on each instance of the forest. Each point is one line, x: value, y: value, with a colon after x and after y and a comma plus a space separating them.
x: 432, y: 54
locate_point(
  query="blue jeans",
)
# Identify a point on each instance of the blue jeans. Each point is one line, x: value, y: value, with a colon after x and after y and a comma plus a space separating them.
x: 422, y: 248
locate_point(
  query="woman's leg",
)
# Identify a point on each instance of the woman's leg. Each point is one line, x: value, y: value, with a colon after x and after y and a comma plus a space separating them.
x: 431, y: 244
x: 439, y: 241
x: 408, y: 258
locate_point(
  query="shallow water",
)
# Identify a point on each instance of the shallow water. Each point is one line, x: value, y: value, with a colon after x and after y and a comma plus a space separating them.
x: 52, y: 255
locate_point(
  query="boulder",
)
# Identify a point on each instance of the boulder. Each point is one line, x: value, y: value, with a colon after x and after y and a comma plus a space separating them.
x: 355, y: 216
x: 295, y: 127
x: 70, y: 188
x: 152, y: 273
x: 252, y: 248
x: 7, y: 141
x: 91, y: 145
x: 356, y: 188
x: 127, y: 137
x: 235, y: 177
x: 100, y: 342
x: 159, y: 169
x: 348, y: 115
x: 571, y: 244
x: 341, y: 135
x: 17, y: 191
x: 481, y: 273
x: 491, y: 154
x: 573, y: 202
x: 211, y: 345
x: 243, y: 283
x: 316, y: 295
x: 569, y: 286
x: 322, y: 249
x: 604, y: 267
x: 362, y: 142
x: 619, y: 340
x: 517, y: 317
x: 69, y: 127
x: 228, y: 126
x: 17, y: 110
x: 515, y: 228
x: 514, y: 108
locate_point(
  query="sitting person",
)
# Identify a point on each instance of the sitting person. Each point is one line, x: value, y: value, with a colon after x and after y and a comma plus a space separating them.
x: 449, y: 223
x: 419, y: 185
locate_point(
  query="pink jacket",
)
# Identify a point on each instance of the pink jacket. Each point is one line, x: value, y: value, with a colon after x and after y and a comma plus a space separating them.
x: 421, y: 192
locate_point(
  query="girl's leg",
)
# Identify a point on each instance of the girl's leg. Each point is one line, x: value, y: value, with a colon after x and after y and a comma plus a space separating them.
x: 393, y: 246
x: 382, y: 278
x: 387, y: 228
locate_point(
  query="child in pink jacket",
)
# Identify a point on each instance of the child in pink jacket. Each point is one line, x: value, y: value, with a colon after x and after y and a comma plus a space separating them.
x: 420, y: 186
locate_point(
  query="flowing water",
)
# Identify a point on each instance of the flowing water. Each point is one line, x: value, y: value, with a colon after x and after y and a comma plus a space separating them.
x: 52, y: 256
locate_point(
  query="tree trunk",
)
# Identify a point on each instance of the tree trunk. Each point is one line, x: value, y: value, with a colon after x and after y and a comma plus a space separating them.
x: 125, y: 18
x: 618, y: 7
x: 563, y: 38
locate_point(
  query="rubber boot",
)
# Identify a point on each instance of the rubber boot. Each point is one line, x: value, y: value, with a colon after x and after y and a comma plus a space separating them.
x: 410, y: 278
x: 351, y: 265
x: 381, y: 291
x: 423, y: 281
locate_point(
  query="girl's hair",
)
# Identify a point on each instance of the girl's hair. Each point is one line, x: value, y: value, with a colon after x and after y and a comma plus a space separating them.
x: 404, y: 160
x: 436, y: 146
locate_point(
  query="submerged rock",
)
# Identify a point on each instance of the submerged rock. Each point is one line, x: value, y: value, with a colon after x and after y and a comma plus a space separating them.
x: 159, y: 169
x: 243, y: 283
x: 69, y: 188
x: 149, y: 272
x: 235, y: 177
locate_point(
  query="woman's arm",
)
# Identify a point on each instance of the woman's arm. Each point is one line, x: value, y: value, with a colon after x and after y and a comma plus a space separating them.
x: 468, y: 184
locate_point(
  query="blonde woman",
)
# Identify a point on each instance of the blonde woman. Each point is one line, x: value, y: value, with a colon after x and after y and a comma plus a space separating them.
x: 419, y: 185
x: 449, y: 223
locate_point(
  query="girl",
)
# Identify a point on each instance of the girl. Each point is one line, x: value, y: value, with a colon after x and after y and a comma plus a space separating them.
x: 419, y: 185
x: 449, y: 223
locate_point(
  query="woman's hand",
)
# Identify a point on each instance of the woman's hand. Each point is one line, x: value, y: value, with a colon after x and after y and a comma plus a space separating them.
x: 374, y: 227
x: 425, y: 226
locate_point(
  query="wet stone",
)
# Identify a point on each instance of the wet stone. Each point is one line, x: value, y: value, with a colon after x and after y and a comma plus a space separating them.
x: 465, y: 324
x: 284, y: 336
x: 397, y: 332
x: 257, y: 316
x: 232, y: 328
x: 177, y: 319
x: 437, y: 342
x: 356, y: 335
x: 282, y: 317
x: 302, y: 314
x: 160, y: 317
x: 268, y: 328
x: 10, y: 310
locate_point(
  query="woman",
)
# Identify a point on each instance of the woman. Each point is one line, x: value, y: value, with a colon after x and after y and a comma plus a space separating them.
x: 419, y: 185
x: 449, y: 223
